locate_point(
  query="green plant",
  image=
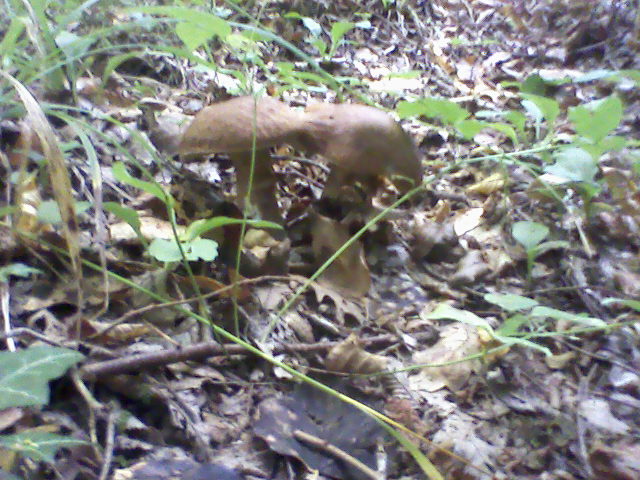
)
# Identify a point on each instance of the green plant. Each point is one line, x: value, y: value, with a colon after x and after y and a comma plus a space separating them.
x: 190, y: 246
x: 531, y: 235
x: 519, y: 312
x: 24, y: 382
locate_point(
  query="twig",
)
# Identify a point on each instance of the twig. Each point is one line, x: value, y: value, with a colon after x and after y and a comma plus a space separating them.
x: 110, y: 436
x: 337, y: 453
x: 199, y: 351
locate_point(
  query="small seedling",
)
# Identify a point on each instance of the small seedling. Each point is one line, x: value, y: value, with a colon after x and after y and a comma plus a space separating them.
x: 531, y: 235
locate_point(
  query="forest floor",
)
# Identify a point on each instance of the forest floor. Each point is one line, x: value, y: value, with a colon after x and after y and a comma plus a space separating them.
x: 494, y: 313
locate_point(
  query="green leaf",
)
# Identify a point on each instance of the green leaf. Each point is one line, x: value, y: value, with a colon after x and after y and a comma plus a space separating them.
x: 595, y: 120
x: 574, y: 164
x: 338, y: 31
x: 203, y: 248
x: 25, y: 375
x: 16, y: 269
x: 315, y: 29
x: 518, y: 119
x: 550, y: 245
x: 447, y: 312
x: 547, y: 312
x: 635, y: 304
x: 121, y: 174
x: 48, y: 211
x: 534, y: 84
x: 125, y: 214
x: 200, y: 227
x: 165, y: 250
x: 196, y: 19
x: 512, y: 324
x: 510, y: 302
x: 506, y: 129
x: 11, y: 36
x: 446, y: 110
x: 38, y: 445
x: 73, y: 45
x: 522, y: 342
x: 529, y: 234
x: 470, y: 128
x: 541, y: 107
x: 192, y: 35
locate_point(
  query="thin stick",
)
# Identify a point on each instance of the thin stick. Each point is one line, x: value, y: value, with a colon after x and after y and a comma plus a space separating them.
x: 337, y: 453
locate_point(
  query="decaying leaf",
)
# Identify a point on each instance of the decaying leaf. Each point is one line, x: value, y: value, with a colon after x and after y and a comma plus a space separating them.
x: 457, y: 341
x: 349, y: 273
x: 349, y: 357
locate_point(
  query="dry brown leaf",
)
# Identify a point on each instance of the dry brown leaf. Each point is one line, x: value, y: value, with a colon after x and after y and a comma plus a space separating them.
x: 349, y: 357
x: 493, y: 183
x: 349, y: 272
x: 457, y: 341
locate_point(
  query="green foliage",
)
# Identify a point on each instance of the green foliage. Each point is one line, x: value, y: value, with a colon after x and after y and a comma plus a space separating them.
x: 450, y: 113
x: 168, y: 250
x: 519, y: 312
x: 24, y: 382
x: 37, y: 445
x: 17, y: 270
x: 595, y: 120
x: 194, y: 27
x: 49, y: 212
x: 128, y: 215
x: 25, y: 375
x: 531, y: 235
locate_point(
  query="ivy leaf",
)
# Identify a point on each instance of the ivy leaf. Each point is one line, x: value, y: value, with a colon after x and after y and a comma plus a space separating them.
x: 25, y: 375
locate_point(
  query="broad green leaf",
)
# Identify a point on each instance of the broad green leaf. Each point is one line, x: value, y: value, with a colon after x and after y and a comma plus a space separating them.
x: 48, y: 211
x: 635, y: 304
x: 541, y: 107
x: 550, y: 245
x: 17, y: 270
x: 512, y: 324
x: 200, y: 227
x: 38, y: 445
x: 470, y: 128
x: 447, y: 312
x: 446, y: 110
x: 192, y: 35
x: 574, y: 165
x: 196, y: 18
x: 166, y: 250
x: 522, y: 342
x: 204, y: 249
x: 25, y: 375
x: 548, y: 312
x: 595, y: 75
x: 595, y: 120
x: 315, y: 29
x: 534, y: 84
x: 506, y: 129
x: 510, y: 302
x: 125, y: 214
x: 529, y: 234
x: 73, y: 45
x: 338, y: 31
x: 518, y: 119
x: 121, y: 174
